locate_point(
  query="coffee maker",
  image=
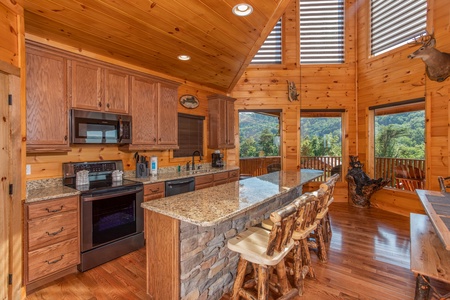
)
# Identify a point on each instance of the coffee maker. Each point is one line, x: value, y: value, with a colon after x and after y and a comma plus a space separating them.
x: 217, y: 160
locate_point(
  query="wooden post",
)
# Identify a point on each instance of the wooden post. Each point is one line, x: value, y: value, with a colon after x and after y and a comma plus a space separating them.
x: 422, y: 288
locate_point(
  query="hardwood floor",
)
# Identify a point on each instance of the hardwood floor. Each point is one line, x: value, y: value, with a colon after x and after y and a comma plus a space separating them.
x: 368, y: 259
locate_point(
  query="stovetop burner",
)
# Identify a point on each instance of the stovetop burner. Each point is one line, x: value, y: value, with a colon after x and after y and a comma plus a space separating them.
x: 100, y: 177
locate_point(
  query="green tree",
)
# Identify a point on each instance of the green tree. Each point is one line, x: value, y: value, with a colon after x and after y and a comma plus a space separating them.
x: 267, y: 144
x: 387, y: 140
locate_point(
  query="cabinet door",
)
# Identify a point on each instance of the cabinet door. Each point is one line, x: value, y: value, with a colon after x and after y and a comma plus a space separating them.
x: 47, y: 115
x: 229, y: 128
x: 167, y: 114
x: 144, y: 111
x: 117, y: 91
x: 85, y: 85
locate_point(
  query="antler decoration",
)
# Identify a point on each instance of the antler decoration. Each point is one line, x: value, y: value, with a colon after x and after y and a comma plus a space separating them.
x: 292, y: 91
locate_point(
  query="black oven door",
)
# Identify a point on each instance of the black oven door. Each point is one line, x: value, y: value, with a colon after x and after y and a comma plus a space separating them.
x: 110, y: 216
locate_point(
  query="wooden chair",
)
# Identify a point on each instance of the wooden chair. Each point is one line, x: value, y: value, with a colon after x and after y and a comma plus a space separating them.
x: 444, y: 184
x: 266, y: 251
x: 409, y: 178
x: 273, y: 168
x: 308, y: 206
x: 322, y: 236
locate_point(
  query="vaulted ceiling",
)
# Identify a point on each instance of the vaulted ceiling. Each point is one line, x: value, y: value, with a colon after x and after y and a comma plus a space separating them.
x: 152, y: 33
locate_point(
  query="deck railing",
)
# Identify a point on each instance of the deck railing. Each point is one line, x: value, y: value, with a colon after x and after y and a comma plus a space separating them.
x: 384, y: 166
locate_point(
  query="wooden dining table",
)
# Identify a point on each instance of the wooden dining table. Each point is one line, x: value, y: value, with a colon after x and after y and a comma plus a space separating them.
x: 430, y: 243
x: 437, y: 207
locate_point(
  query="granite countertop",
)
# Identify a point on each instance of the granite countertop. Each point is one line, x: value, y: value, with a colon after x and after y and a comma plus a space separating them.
x: 210, y: 206
x: 46, y: 189
x: 177, y: 175
x: 48, y: 193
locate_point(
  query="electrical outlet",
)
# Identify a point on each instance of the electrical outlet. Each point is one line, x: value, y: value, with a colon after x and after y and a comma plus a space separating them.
x: 28, y: 170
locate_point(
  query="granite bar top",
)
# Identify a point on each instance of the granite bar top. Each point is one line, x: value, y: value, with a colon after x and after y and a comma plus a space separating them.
x: 211, y: 206
x: 178, y: 175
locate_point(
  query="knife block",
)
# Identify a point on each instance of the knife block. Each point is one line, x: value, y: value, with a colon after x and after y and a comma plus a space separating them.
x: 141, y: 170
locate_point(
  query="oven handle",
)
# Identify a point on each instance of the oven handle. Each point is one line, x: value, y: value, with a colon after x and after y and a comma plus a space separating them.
x: 101, y: 197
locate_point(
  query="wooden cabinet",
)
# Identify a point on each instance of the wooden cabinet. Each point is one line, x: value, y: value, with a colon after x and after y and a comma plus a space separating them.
x: 154, y: 191
x: 233, y: 175
x: 221, y: 122
x: 94, y: 87
x: 47, y: 115
x: 215, y: 179
x: 204, y: 181
x: 155, y: 118
x: 51, y: 239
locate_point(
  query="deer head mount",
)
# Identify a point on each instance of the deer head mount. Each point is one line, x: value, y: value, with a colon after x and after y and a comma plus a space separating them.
x: 437, y: 62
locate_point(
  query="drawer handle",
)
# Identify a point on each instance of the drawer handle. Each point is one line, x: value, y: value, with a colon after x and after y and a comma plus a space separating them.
x: 154, y: 191
x: 55, y: 233
x: 55, y: 210
x: 55, y: 261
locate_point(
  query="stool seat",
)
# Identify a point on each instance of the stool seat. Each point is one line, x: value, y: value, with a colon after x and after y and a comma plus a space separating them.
x: 267, y: 224
x: 252, y: 245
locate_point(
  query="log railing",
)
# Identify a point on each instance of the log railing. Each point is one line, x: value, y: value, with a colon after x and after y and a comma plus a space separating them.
x: 385, y: 166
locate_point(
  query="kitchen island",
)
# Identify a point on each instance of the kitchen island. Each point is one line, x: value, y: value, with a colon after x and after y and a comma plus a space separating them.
x: 187, y: 234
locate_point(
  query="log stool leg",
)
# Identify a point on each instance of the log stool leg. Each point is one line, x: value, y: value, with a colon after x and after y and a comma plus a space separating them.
x: 321, y: 247
x: 298, y: 268
x: 263, y: 282
x: 327, y: 228
x: 242, y: 266
x: 422, y: 291
x: 306, y: 257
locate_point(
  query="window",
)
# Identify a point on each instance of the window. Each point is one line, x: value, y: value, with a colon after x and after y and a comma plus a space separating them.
x: 321, y: 141
x: 394, y: 23
x: 270, y: 51
x: 190, y: 135
x: 399, y: 143
x: 259, y: 139
x: 321, y: 31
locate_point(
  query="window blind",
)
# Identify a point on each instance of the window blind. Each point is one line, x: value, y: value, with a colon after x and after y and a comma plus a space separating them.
x: 270, y: 51
x: 394, y: 23
x: 190, y: 135
x: 321, y: 31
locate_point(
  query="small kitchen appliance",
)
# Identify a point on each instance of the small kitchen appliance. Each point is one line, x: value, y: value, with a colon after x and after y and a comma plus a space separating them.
x: 217, y: 159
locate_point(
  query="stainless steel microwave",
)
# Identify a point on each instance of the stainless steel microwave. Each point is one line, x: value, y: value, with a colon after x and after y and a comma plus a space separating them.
x: 88, y: 127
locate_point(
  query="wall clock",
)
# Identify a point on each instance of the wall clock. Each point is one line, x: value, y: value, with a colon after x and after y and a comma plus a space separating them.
x: 189, y: 101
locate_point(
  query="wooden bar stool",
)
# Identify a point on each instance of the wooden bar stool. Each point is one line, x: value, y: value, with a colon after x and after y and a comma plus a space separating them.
x: 322, y: 236
x: 308, y: 205
x: 266, y: 251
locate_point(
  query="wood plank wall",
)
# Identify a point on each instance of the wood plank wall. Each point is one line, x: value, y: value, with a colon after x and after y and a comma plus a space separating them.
x: 392, y: 77
x: 320, y: 87
x: 50, y: 165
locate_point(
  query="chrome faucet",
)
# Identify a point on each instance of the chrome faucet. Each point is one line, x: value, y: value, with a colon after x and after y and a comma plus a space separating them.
x: 193, y: 162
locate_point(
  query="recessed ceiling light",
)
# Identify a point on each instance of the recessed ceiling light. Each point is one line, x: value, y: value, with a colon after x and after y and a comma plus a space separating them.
x: 184, y: 57
x: 242, y: 9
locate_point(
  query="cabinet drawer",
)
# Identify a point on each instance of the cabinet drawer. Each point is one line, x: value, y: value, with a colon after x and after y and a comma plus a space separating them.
x: 203, y: 186
x: 52, y: 207
x: 233, y: 175
x: 220, y: 176
x: 53, y: 258
x: 56, y: 228
x: 154, y: 188
x: 205, y: 179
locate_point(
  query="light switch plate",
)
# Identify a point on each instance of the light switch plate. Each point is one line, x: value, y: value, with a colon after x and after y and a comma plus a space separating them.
x: 28, y: 171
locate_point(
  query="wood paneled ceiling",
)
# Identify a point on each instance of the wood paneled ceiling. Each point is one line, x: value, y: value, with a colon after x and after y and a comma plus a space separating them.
x: 152, y: 33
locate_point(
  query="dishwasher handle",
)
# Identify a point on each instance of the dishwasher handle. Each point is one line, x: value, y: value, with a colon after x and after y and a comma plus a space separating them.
x: 178, y: 182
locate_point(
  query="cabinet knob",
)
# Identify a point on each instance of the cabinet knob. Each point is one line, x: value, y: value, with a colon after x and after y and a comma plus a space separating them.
x: 65, y: 138
x: 99, y: 104
x: 107, y: 105
x: 154, y: 139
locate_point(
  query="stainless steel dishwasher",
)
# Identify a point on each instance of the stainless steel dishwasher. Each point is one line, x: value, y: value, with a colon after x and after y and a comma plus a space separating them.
x: 179, y: 186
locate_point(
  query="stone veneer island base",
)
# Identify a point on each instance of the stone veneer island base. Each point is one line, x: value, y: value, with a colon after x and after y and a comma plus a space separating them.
x: 187, y: 234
